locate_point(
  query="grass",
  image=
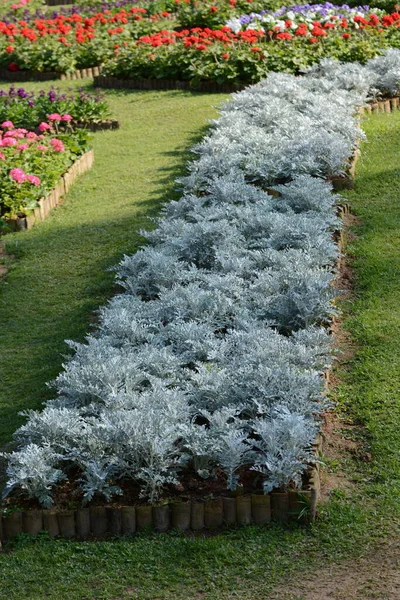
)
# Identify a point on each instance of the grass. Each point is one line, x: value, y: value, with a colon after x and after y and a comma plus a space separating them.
x: 242, y: 563
x: 59, y: 275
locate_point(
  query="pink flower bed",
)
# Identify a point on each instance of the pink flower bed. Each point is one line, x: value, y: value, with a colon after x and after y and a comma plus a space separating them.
x: 31, y: 162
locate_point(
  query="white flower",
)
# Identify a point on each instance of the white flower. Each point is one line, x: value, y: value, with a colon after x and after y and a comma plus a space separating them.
x: 256, y: 26
x: 234, y: 24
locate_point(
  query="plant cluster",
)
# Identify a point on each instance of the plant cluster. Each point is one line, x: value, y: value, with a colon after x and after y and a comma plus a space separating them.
x: 213, y: 356
x: 247, y: 56
x: 29, y: 109
x: 66, y: 43
x: 309, y: 16
x: 137, y: 42
x: 32, y: 162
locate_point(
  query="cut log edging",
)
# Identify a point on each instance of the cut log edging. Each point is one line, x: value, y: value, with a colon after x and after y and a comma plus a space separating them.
x: 109, y: 124
x: 97, y: 521
x: 48, y: 75
x: 59, y: 2
x: 104, y: 81
x: 56, y: 196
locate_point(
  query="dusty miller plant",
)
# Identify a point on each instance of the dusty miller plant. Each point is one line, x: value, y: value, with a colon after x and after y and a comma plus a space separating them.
x: 212, y: 357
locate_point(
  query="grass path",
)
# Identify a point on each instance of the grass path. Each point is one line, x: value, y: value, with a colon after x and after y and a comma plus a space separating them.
x: 245, y: 563
x: 58, y: 278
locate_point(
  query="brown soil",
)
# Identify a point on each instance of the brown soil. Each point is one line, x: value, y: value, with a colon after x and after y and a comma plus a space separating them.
x: 373, y: 577
x: 69, y: 495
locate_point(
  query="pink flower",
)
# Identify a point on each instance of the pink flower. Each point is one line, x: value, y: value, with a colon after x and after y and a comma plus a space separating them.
x: 10, y: 141
x: 18, y: 175
x: 31, y: 135
x: 2, y: 157
x: 54, y: 117
x: 33, y: 179
x: 41, y: 147
x: 7, y: 124
x: 58, y: 146
x: 44, y: 127
x: 23, y: 147
x: 66, y: 118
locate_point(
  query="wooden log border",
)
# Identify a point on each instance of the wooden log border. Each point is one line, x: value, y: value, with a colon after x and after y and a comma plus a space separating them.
x: 110, y: 124
x: 98, y: 521
x: 56, y: 196
x: 165, y: 84
x: 48, y: 75
x: 59, y: 2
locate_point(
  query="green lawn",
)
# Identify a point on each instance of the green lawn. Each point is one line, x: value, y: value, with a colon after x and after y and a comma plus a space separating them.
x: 58, y: 278
x: 56, y: 301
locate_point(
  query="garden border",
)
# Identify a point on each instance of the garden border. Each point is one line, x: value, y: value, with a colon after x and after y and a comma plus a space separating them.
x: 97, y: 521
x: 55, y: 197
x: 104, y: 81
x: 59, y: 2
x: 48, y: 75
x: 109, y: 124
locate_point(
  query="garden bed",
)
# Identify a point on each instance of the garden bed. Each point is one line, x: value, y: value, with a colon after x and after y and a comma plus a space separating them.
x: 55, y: 197
x: 224, y: 413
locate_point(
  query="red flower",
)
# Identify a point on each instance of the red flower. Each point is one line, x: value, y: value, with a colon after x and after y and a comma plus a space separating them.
x: 225, y: 56
x: 313, y: 40
x: 346, y: 36
x: 255, y: 49
x: 201, y: 47
x: 13, y: 67
x: 284, y: 36
x: 301, y: 30
x: 318, y: 32
x: 213, y: 8
x: 9, y: 49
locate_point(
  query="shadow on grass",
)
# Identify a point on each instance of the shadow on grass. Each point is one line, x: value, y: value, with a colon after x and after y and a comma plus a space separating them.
x: 33, y: 346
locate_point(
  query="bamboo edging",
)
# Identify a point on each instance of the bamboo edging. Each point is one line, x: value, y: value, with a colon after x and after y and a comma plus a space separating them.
x: 55, y: 197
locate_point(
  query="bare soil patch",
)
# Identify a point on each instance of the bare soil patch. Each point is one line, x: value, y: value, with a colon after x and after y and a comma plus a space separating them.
x: 373, y: 577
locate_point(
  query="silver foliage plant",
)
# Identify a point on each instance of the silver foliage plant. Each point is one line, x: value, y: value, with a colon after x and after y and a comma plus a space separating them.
x: 212, y: 357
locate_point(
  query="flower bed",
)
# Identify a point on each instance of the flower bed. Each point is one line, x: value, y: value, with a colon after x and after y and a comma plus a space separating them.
x: 326, y: 16
x: 133, y: 43
x: 31, y: 163
x: 64, y: 44
x: 55, y: 197
x: 244, y: 57
x: 29, y: 109
x: 211, y: 362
